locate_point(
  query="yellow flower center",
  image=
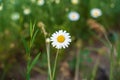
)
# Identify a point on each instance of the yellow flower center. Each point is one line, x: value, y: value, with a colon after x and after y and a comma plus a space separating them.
x: 96, y: 13
x: 61, y: 38
x: 73, y: 16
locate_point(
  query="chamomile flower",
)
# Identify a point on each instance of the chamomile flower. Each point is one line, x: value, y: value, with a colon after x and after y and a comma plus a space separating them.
x: 95, y: 13
x: 40, y: 2
x: 73, y: 16
x: 74, y: 2
x: 26, y: 11
x: 60, y: 39
x: 15, y: 16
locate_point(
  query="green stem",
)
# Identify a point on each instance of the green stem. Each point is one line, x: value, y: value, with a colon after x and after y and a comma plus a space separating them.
x: 29, y: 59
x: 111, y: 57
x: 77, y: 65
x: 55, y: 64
x: 95, y: 69
x: 106, y: 37
x: 111, y: 63
x: 28, y: 76
x: 28, y: 65
x: 48, y: 59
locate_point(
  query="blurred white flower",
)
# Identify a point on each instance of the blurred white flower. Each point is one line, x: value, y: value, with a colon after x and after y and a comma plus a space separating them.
x: 74, y: 1
x: 26, y: 11
x: 1, y: 7
x: 73, y: 16
x: 60, y: 39
x: 15, y: 16
x: 40, y: 2
x: 57, y: 1
x: 95, y: 13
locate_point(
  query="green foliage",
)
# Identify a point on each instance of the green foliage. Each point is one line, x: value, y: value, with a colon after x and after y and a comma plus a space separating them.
x: 16, y: 32
x: 28, y: 47
x: 25, y: 45
x: 32, y: 64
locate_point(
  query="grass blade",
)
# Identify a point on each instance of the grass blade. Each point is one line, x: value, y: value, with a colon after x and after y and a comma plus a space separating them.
x: 33, y: 39
x: 34, y: 62
x: 25, y: 45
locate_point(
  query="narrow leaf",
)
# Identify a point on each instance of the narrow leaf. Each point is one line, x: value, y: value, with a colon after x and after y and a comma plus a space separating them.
x: 34, y: 62
x: 31, y: 29
x: 33, y: 39
x: 25, y: 45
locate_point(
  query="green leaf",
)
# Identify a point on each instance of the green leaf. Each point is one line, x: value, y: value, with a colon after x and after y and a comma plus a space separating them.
x: 33, y: 39
x: 30, y: 29
x: 34, y: 62
x: 33, y: 28
x: 25, y: 45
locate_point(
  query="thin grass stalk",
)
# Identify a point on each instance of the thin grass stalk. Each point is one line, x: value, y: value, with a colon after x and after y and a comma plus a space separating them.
x: 77, y: 66
x: 28, y: 76
x: 55, y: 64
x: 111, y: 57
x: 95, y: 69
x: 28, y: 63
x: 48, y: 60
x: 106, y: 37
x: 111, y: 63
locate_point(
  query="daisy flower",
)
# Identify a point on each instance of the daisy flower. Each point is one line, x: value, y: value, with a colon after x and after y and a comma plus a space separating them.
x: 40, y: 2
x: 15, y: 16
x: 73, y: 16
x: 60, y: 39
x: 74, y: 1
x: 96, y: 13
x: 26, y: 11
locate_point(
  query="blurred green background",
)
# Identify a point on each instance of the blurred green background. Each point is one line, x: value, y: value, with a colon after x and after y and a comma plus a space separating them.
x: 15, y: 18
